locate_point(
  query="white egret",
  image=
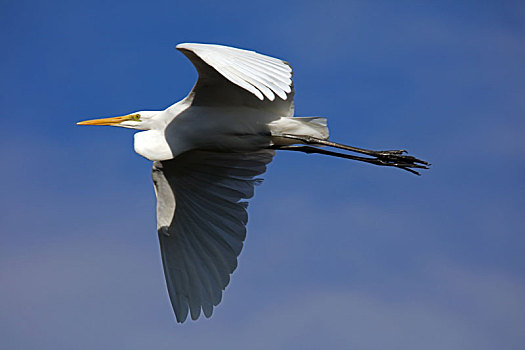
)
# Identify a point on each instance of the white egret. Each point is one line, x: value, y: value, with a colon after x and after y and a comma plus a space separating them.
x: 208, y: 150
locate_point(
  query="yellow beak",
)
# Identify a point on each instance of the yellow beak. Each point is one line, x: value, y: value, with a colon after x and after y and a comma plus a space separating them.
x: 109, y: 121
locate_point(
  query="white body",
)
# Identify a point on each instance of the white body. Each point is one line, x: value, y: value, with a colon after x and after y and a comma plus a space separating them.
x: 227, y: 129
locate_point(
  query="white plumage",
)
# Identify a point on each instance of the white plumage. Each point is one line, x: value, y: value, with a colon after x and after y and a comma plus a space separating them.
x: 261, y: 75
x: 208, y: 151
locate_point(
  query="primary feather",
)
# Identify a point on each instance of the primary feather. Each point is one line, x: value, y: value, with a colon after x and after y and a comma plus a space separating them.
x: 202, y: 218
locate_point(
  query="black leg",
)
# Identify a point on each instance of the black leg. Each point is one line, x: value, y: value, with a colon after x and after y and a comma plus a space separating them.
x: 392, y: 155
x: 315, y: 141
x: 383, y: 158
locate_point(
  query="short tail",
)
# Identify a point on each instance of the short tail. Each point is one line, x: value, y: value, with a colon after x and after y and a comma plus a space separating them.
x: 301, y: 126
x: 318, y: 125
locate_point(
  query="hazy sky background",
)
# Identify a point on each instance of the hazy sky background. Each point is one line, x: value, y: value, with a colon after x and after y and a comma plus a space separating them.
x: 339, y: 255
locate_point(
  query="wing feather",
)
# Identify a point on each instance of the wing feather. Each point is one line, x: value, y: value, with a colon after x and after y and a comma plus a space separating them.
x: 202, y: 296
x: 176, y: 275
x: 236, y: 77
x: 254, y: 76
x: 201, y: 218
x: 281, y: 72
x: 275, y: 79
x: 221, y: 249
x: 232, y: 76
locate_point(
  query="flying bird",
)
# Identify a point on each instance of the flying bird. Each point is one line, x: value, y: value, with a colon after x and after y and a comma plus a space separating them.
x: 208, y: 151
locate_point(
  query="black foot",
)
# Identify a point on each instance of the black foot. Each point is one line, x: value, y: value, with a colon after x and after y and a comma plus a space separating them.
x: 397, y: 159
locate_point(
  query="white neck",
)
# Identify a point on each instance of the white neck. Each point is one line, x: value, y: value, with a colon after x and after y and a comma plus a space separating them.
x: 151, y: 144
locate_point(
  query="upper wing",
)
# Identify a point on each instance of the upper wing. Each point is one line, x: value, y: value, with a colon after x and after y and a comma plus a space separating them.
x: 201, y: 221
x: 231, y: 76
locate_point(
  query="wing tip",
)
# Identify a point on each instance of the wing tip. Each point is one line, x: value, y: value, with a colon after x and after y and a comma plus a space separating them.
x: 193, y: 46
x: 184, y: 47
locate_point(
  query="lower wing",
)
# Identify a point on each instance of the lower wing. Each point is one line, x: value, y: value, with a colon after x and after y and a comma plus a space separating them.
x: 201, y: 221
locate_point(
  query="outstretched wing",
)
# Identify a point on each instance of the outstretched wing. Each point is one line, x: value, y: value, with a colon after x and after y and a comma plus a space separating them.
x: 230, y: 76
x: 201, y: 221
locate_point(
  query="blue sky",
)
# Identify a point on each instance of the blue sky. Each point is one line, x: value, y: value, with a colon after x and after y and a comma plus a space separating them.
x: 338, y: 255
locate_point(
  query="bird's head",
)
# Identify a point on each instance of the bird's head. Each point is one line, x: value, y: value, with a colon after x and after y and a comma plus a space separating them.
x: 142, y: 120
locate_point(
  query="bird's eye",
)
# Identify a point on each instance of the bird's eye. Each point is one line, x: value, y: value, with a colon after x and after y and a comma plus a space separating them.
x: 135, y: 117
